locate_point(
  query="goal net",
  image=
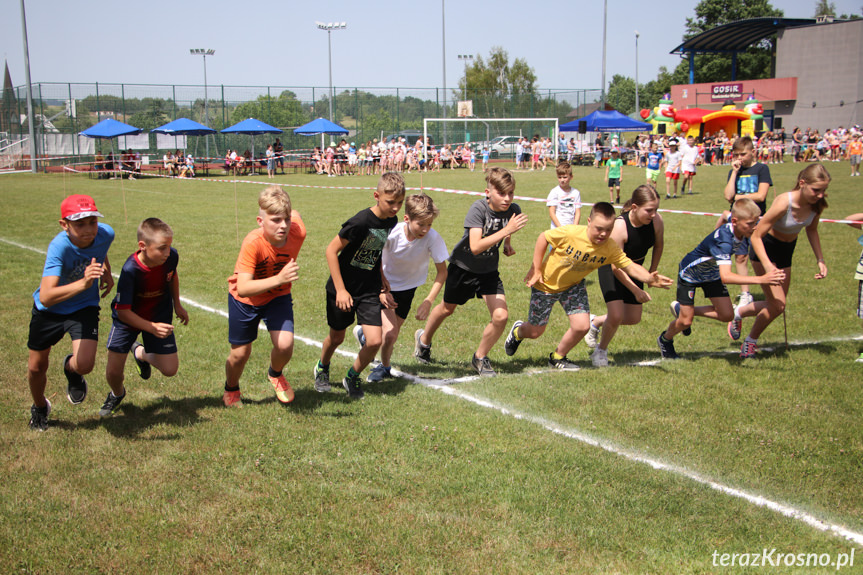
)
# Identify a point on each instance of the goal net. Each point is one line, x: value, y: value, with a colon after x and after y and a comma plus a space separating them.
x: 12, y: 155
x: 499, y: 135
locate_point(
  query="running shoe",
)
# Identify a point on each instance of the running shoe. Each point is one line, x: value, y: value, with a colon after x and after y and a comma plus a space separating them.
x: 143, y: 367
x: 112, y: 402
x: 379, y: 373
x: 744, y: 299
x: 232, y: 398
x: 421, y: 352
x: 39, y: 417
x: 666, y: 347
x: 76, y: 387
x: 599, y: 357
x: 592, y: 335
x: 284, y: 393
x: 322, y: 378
x: 510, y: 346
x: 562, y: 363
x: 748, y: 349
x: 859, y: 359
x: 735, y: 326
x: 359, y: 335
x: 675, y: 311
x: 353, y: 387
x: 482, y: 365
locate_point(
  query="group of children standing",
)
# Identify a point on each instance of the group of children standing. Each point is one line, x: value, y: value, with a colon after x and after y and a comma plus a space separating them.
x: 377, y: 263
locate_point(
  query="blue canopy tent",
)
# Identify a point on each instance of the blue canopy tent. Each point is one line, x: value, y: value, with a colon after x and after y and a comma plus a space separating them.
x: 108, y: 129
x: 320, y: 126
x: 184, y: 127
x: 251, y: 127
x: 607, y: 121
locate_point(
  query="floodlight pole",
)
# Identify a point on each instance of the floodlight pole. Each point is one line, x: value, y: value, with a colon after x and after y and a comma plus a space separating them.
x: 30, y: 119
x: 637, y: 108
x: 329, y: 27
x: 205, y: 52
x: 443, y: 61
x: 604, y: 29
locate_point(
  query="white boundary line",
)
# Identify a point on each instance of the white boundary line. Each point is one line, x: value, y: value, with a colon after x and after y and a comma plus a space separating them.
x: 445, y: 386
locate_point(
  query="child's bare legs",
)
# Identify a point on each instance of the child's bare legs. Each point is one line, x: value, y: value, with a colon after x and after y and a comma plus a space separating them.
x: 611, y: 194
x: 772, y: 307
x: 368, y: 352
x: 618, y: 314
x: 720, y: 310
x: 283, y: 349
x: 392, y: 325
x: 668, y: 187
x: 438, y: 314
x: 82, y: 362
x: 236, y: 363
x: 579, y: 323
x: 331, y: 343
x: 740, y: 261
x: 114, y: 372
x: 499, y: 313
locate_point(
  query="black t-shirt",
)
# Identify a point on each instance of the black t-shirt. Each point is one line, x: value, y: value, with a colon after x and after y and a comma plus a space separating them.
x: 480, y: 215
x: 360, y: 260
x: 748, y: 180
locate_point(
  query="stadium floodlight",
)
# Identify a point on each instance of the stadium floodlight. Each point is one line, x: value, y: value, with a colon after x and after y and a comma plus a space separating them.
x: 329, y: 27
x: 204, y: 52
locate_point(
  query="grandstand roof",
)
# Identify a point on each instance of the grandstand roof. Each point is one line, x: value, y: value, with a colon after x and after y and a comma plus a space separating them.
x: 737, y: 36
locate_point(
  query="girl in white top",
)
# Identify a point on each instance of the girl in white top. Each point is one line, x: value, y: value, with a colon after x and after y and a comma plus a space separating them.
x: 773, y: 245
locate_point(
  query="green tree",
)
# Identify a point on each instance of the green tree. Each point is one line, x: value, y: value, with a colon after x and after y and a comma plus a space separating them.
x: 491, y: 83
x: 152, y: 117
x: 824, y: 8
x: 752, y: 64
x: 282, y: 112
x: 621, y: 94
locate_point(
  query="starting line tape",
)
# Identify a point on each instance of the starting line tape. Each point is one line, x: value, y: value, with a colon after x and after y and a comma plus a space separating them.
x: 445, y: 386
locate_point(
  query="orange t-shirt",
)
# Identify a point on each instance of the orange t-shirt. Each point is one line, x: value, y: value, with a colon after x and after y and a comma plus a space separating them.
x: 263, y: 260
x: 855, y: 147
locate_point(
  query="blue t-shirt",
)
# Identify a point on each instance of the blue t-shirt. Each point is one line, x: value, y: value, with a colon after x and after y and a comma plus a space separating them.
x: 68, y: 262
x: 653, y: 159
x: 701, y: 265
x: 748, y: 180
x: 146, y: 291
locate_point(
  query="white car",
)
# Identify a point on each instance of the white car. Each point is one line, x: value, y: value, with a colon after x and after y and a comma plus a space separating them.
x: 503, y: 146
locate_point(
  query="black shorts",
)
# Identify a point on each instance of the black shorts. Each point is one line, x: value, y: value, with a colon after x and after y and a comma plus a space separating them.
x: 686, y: 291
x: 462, y: 286
x: 47, y: 329
x: 404, y: 299
x: 366, y: 311
x: 613, y: 290
x: 779, y: 252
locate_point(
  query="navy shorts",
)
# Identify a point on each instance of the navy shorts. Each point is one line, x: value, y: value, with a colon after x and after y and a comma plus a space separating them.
x: 404, y: 299
x: 462, y: 286
x: 613, y: 182
x: 366, y: 311
x: 121, y: 337
x: 47, y: 329
x: 243, y: 319
x: 686, y: 290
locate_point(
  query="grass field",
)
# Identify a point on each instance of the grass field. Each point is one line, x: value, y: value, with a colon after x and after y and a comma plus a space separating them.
x: 413, y: 480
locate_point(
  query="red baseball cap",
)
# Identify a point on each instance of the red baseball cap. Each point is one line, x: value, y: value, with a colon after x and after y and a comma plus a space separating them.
x: 78, y: 206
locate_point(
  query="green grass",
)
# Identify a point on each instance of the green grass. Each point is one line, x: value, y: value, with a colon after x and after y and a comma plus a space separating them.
x: 412, y: 480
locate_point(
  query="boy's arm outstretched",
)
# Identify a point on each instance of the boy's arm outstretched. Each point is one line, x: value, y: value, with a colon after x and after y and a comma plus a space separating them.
x: 857, y: 219
x: 439, y: 280
x: 534, y: 274
x: 771, y: 277
x: 653, y: 279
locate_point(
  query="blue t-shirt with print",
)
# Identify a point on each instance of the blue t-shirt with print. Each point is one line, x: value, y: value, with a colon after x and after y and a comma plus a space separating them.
x: 701, y: 265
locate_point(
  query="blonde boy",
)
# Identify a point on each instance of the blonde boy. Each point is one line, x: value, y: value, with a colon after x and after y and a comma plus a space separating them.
x: 148, y: 294
x: 260, y: 288
x: 356, y: 282
x: 405, y: 265
x: 564, y: 201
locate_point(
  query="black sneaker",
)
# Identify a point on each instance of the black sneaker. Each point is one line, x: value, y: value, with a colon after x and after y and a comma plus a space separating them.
x: 112, y: 402
x: 144, y: 369
x: 39, y: 417
x: 666, y: 347
x: 421, y: 352
x: 562, y: 363
x: 510, y: 346
x: 353, y: 387
x: 76, y: 388
x: 482, y: 365
x: 322, y: 378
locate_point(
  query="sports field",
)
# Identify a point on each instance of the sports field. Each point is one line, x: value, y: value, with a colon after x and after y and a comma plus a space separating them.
x: 641, y: 467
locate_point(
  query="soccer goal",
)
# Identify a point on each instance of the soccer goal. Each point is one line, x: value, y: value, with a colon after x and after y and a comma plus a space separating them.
x: 499, y: 135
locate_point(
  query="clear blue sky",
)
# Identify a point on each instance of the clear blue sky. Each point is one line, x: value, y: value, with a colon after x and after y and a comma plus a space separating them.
x: 386, y: 43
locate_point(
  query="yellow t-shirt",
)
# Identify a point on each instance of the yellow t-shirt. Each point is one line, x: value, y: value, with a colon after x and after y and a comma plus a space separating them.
x: 573, y: 257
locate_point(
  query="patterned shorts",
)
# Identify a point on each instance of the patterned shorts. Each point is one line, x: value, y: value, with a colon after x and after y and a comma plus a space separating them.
x: 573, y: 300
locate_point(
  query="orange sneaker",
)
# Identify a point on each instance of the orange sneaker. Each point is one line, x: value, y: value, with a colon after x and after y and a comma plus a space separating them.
x: 284, y: 393
x: 232, y: 399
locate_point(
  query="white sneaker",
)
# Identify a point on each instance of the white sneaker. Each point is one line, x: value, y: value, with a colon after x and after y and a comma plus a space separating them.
x: 599, y: 357
x: 592, y: 335
x: 745, y: 299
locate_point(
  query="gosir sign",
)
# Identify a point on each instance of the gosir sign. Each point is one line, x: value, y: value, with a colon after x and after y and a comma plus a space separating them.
x: 722, y: 92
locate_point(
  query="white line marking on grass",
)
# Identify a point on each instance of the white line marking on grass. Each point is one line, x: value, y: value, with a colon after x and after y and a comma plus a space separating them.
x: 445, y: 386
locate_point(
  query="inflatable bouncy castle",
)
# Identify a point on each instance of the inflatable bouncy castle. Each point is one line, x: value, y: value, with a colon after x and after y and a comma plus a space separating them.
x: 698, y: 121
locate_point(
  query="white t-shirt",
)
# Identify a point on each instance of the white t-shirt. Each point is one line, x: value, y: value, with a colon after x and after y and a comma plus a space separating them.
x: 406, y: 263
x: 673, y: 160
x: 690, y: 155
x: 566, y: 203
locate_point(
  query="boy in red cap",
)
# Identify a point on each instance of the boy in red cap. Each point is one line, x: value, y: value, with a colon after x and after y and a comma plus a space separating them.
x: 67, y: 301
